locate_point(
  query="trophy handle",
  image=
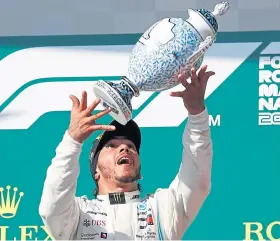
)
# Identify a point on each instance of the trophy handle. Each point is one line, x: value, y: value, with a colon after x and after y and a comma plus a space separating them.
x: 203, y: 47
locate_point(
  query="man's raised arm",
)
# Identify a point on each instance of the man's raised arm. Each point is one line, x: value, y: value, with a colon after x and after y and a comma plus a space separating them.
x: 59, y: 208
x: 181, y: 202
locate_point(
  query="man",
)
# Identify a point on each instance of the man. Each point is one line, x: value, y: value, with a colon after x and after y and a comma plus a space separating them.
x: 118, y: 212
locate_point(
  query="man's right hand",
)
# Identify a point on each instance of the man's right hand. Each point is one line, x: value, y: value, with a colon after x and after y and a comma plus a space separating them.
x: 83, y: 123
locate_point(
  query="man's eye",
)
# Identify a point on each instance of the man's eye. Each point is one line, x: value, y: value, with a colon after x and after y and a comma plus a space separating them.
x: 131, y: 146
x: 111, y: 145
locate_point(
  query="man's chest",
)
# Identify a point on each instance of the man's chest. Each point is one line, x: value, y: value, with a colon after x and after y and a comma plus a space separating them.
x: 123, y: 221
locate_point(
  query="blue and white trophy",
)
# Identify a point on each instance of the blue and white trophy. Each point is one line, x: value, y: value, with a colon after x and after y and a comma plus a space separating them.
x: 169, y: 47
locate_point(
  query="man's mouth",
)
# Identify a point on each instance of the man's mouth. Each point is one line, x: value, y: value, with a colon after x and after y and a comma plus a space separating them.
x: 125, y: 160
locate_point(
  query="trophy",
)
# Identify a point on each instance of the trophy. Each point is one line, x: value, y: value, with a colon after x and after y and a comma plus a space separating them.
x: 169, y: 47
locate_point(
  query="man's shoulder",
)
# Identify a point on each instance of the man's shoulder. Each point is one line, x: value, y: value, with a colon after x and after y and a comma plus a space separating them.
x: 83, y: 198
x: 84, y: 201
x: 159, y: 192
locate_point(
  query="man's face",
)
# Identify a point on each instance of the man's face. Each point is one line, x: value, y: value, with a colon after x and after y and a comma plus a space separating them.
x: 118, y: 160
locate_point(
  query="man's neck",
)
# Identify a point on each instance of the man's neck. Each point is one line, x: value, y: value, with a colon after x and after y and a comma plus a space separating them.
x: 104, y: 189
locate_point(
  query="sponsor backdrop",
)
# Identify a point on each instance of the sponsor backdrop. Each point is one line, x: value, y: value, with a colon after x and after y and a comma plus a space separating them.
x: 37, y: 75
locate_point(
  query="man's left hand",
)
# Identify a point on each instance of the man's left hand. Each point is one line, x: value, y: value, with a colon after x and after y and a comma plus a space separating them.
x: 194, y: 93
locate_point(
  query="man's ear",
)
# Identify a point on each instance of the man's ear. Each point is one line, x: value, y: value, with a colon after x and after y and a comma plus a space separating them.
x: 97, y: 174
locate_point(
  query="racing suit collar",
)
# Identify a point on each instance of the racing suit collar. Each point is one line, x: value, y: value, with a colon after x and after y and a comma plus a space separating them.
x: 120, y: 197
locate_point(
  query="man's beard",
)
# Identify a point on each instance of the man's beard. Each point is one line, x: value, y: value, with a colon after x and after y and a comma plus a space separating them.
x: 111, y: 174
x: 129, y: 179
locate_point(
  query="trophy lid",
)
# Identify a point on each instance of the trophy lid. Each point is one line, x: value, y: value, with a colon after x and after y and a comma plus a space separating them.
x: 211, y: 17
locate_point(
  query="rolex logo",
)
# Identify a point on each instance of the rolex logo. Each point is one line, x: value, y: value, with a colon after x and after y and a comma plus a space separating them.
x: 9, y: 202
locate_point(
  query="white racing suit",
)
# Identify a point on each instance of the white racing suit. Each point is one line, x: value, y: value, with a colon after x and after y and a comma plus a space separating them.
x: 165, y: 215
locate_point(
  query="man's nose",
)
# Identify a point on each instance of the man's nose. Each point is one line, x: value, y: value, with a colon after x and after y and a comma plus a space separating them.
x: 124, y: 148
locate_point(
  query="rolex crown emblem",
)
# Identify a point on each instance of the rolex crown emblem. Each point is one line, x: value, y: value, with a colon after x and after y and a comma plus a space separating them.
x: 9, y: 202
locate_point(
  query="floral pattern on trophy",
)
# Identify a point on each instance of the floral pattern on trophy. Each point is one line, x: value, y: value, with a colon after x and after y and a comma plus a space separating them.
x: 210, y: 19
x: 155, y: 70
x: 124, y: 91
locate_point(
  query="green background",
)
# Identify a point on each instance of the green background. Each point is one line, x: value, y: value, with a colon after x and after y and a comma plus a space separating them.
x: 245, y: 173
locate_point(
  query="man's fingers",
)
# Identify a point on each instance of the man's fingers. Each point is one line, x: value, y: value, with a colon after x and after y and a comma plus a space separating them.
x: 210, y: 73
x: 102, y: 127
x: 176, y: 94
x: 83, y: 105
x: 92, y: 106
x: 75, y: 101
x: 202, y: 71
x: 98, y: 115
x: 207, y: 75
x: 183, y: 80
x: 193, y: 76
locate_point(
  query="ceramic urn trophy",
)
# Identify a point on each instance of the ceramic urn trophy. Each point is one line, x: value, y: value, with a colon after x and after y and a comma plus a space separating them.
x: 169, y: 47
